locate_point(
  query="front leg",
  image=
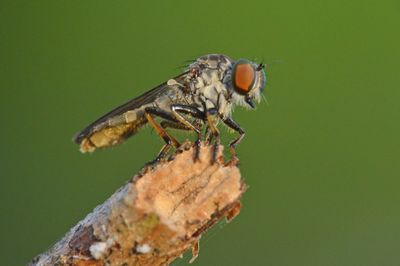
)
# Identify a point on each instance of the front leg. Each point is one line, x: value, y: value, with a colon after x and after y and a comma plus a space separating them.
x: 232, y: 146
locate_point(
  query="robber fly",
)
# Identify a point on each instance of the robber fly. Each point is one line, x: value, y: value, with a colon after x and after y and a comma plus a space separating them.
x: 202, y: 96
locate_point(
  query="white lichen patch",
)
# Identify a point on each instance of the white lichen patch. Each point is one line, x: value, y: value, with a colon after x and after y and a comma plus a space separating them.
x: 145, y: 248
x: 98, y: 250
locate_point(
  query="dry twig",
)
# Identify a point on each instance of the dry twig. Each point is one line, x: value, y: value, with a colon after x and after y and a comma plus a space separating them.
x: 156, y: 216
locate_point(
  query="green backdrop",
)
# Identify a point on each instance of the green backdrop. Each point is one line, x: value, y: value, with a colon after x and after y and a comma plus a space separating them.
x: 321, y: 158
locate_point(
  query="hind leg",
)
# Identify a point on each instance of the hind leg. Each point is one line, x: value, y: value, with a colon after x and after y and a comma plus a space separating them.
x: 169, y: 140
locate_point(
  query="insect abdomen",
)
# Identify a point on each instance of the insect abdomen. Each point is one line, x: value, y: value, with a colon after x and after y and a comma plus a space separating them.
x: 112, y: 131
x: 111, y: 135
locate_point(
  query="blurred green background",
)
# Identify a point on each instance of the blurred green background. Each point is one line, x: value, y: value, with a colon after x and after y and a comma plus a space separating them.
x: 321, y: 158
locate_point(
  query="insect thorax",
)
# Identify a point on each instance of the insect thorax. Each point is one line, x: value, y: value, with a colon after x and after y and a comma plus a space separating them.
x: 209, y: 83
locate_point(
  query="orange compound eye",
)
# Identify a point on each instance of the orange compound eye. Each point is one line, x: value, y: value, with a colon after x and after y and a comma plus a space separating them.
x: 243, y: 76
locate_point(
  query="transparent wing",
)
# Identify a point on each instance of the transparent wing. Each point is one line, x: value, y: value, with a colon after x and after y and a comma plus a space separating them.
x: 144, y: 99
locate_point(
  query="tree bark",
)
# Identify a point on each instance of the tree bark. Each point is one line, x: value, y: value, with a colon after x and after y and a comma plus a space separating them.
x: 156, y: 216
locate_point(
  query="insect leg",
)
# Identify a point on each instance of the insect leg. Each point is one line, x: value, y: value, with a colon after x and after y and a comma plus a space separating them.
x: 208, y: 135
x: 210, y: 114
x: 169, y: 124
x: 232, y: 146
x: 214, y: 132
x: 169, y: 140
x: 178, y: 110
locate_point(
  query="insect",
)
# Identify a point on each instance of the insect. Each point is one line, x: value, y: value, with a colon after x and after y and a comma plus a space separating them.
x: 204, y: 95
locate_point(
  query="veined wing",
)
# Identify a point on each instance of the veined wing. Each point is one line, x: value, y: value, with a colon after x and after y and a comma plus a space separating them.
x: 122, y: 122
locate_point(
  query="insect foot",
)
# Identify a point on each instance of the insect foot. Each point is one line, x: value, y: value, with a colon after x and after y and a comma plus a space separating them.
x: 234, y: 160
